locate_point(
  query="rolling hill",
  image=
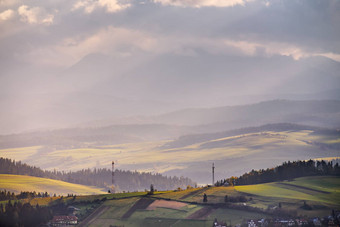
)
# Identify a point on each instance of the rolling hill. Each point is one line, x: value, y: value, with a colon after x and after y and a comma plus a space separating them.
x: 185, y: 207
x: 18, y: 183
x: 317, y: 113
x: 233, y: 152
x: 322, y: 113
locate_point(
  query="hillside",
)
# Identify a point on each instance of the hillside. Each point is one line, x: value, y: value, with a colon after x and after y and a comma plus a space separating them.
x: 233, y: 152
x: 18, y: 183
x: 324, y: 190
x: 322, y: 113
x: 314, y: 112
x: 157, y: 85
x: 124, y: 180
x: 186, y: 208
x: 278, y: 127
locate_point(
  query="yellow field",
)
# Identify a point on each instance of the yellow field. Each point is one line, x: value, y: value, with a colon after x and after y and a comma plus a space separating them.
x: 317, y: 189
x: 322, y: 193
x: 153, y: 157
x: 17, y: 183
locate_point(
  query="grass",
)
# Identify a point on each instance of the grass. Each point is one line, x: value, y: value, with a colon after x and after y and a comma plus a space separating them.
x: 234, y: 216
x: 321, y: 189
x: 18, y: 183
x: 321, y: 193
x: 152, y: 156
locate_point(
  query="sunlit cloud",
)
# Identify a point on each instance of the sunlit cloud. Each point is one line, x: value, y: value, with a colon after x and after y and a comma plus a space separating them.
x: 35, y: 15
x: 9, y: 2
x: 6, y: 15
x: 202, y: 3
x: 276, y: 48
x: 120, y: 42
x: 110, y: 6
x: 335, y: 57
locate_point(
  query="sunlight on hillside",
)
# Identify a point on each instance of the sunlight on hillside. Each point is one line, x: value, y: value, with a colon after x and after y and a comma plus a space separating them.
x: 18, y: 183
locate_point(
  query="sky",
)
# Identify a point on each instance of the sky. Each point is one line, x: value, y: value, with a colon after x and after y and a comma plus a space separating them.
x: 57, y: 34
x: 72, y: 46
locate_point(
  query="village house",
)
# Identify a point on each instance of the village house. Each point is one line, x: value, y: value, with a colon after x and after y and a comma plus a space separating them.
x: 64, y: 220
x: 252, y: 223
x: 219, y: 224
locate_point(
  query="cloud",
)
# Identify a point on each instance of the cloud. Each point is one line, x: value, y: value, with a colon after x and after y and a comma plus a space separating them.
x: 35, y: 15
x: 110, y: 6
x: 7, y: 3
x: 113, y: 41
x: 201, y: 3
x: 7, y: 14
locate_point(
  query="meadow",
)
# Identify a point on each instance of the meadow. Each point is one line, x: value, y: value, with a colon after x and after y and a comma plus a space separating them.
x: 18, y: 183
x: 320, y: 193
x: 186, y: 208
x: 232, y: 155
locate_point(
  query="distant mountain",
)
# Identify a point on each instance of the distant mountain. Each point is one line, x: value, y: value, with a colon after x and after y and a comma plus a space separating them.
x: 318, y: 113
x: 187, y: 140
x: 105, y: 87
x: 322, y: 113
x: 210, y: 80
x: 91, y: 137
x: 233, y: 151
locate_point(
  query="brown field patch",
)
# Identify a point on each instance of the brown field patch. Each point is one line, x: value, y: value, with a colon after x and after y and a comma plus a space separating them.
x: 201, y: 214
x: 92, y: 217
x: 193, y: 193
x: 166, y: 204
x: 141, y: 204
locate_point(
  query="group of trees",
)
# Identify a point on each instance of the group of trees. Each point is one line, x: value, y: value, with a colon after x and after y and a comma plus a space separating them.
x: 18, y: 214
x: 286, y: 171
x: 235, y: 199
x: 125, y: 180
x: 6, y: 195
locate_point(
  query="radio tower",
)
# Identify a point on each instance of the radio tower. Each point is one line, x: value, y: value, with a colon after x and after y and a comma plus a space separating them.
x: 213, y: 174
x: 113, y: 173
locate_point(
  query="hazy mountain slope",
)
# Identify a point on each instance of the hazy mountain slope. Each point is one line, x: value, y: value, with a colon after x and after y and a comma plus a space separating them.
x: 88, y: 137
x: 233, y: 152
x: 281, y: 127
x: 324, y: 113
x: 192, y: 80
x: 320, y: 113
x: 101, y: 87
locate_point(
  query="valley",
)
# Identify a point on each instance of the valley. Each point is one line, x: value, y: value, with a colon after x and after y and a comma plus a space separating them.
x: 233, y: 152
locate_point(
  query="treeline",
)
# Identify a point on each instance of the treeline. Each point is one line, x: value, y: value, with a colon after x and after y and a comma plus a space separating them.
x: 19, y: 214
x: 124, y: 180
x: 286, y: 171
x: 6, y: 195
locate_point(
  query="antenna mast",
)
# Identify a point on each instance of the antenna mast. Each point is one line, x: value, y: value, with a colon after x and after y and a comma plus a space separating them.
x: 213, y: 174
x: 113, y: 173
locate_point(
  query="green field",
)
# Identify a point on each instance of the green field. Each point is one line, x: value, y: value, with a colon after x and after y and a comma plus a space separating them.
x: 186, y: 208
x: 18, y: 183
x: 321, y: 193
x: 325, y: 190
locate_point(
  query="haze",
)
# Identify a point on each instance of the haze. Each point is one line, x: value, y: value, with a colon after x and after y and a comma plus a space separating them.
x: 65, y: 63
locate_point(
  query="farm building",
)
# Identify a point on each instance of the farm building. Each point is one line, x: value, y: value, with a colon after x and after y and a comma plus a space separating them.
x: 64, y: 220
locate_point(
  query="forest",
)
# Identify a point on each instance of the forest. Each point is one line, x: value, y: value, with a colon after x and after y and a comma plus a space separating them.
x: 18, y: 214
x: 286, y: 171
x: 6, y: 195
x: 124, y: 180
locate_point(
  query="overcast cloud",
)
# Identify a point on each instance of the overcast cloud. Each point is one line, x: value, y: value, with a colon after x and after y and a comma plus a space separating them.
x: 61, y: 33
x: 42, y: 40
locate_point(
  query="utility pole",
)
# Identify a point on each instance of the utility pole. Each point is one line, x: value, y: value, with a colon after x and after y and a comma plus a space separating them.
x: 213, y: 174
